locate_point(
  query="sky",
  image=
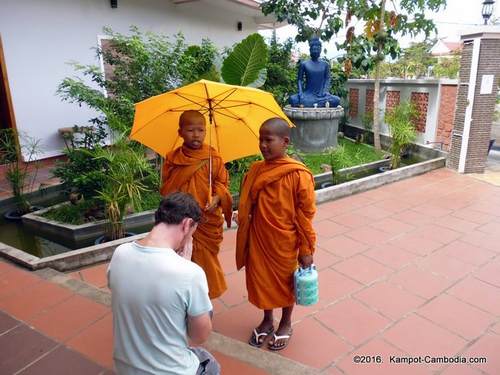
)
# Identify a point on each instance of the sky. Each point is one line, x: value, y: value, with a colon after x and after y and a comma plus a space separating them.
x: 458, y: 17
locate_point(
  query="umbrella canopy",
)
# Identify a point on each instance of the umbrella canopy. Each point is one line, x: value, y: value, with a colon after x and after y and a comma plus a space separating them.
x: 234, y: 115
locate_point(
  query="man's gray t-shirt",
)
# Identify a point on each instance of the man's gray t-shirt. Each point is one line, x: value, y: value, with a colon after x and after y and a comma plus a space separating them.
x: 153, y: 291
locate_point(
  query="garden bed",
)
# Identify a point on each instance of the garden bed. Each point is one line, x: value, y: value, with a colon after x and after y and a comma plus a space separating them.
x: 76, y: 235
x: 94, y: 254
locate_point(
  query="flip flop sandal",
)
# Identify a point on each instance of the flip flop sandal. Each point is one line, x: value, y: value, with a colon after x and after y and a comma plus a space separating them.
x: 256, y: 340
x: 274, y: 347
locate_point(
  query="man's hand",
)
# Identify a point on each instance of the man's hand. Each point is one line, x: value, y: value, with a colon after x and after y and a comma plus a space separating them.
x: 214, y: 204
x: 305, y: 260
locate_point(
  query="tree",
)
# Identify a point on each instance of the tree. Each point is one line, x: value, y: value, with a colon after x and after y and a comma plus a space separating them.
x: 368, y: 49
x: 142, y: 65
x: 281, y: 72
x: 448, y: 67
x: 414, y: 61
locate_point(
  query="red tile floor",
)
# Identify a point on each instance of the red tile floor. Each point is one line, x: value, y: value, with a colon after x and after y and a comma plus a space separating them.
x: 39, y: 177
x: 409, y: 269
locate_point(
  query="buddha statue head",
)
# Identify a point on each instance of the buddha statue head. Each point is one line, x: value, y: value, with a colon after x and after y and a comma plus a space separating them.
x: 314, y: 48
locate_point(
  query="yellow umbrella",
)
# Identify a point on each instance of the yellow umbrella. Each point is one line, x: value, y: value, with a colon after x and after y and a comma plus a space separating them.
x: 233, y: 113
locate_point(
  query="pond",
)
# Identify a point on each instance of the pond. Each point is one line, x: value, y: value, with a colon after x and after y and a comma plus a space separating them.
x: 15, y: 234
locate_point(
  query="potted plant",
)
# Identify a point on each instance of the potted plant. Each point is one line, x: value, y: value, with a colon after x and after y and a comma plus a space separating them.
x: 21, y: 174
x: 402, y: 129
x: 128, y: 175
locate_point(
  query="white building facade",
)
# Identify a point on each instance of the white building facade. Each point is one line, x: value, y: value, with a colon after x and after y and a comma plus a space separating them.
x: 40, y: 37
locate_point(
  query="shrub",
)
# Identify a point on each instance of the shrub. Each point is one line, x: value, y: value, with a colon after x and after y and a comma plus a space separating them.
x: 401, y: 125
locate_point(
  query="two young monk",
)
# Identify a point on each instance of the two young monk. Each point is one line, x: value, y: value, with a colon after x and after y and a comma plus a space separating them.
x: 274, y: 218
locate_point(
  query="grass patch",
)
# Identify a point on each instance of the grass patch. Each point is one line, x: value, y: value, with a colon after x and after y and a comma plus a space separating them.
x: 70, y: 213
x: 77, y: 214
x: 354, y: 154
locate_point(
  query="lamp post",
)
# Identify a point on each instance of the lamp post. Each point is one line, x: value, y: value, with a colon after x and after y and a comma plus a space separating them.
x: 487, y: 10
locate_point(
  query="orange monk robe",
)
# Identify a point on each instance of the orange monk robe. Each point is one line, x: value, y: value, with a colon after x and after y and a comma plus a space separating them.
x: 187, y: 171
x: 277, y: 205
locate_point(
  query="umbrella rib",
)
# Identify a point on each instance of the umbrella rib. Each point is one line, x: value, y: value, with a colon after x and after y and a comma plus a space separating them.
x: 178, y: 109
x: 236, y: 105
x: 267, y: 109
x: 189, y: 100
x: 242, y: 120
x: 234, y: 117
x: 227, y: 96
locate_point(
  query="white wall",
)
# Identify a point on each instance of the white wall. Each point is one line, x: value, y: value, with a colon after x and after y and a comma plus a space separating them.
x: 41, y: 36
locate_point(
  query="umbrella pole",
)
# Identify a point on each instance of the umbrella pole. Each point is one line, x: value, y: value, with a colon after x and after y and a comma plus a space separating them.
x: 210, y: 161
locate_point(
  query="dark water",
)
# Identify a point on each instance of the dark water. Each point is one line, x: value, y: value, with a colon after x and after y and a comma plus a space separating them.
x: 16, y: 235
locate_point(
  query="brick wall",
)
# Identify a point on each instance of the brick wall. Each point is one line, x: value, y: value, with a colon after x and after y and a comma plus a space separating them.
x: 392, y: 99
x: 483, y: 107
x: 370, y: 93
x: 446, y: 115
x: 353, y: 102
x: 421, y: 102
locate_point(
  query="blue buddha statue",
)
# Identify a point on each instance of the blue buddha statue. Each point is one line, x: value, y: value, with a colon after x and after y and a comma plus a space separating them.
x: 317, y: 75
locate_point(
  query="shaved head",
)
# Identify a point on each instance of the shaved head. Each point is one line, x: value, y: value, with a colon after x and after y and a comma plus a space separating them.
x: 190, y: 115
x: 277, y: 126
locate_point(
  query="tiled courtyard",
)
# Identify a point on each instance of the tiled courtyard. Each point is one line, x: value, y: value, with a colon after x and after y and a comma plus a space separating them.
x: 408, y: 269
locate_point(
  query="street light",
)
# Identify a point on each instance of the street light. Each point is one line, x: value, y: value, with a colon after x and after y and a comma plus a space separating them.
x: 487, y: 10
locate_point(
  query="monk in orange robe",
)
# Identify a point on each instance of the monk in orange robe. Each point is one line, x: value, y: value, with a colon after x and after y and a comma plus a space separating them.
x: 186, y: 169
x: 275, y: 232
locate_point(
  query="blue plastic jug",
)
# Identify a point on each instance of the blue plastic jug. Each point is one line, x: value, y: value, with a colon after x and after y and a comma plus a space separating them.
x: 306, y: 286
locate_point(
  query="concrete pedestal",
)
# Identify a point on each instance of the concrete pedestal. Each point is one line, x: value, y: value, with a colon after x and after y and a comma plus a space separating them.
x: 316, y: 128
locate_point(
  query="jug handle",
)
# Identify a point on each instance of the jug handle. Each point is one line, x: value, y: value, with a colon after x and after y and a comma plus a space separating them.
x: 307, y: 269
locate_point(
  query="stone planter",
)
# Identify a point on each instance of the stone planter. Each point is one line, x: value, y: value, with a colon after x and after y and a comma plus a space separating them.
x: 316, y: 128
x: 75, y: 235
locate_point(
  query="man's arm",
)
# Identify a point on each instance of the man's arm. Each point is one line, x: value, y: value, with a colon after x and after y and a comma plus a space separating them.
x: 199, y: 328
x: 199, y: 323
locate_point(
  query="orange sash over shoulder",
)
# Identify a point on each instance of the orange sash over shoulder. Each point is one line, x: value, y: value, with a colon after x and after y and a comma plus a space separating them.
x: 187, y: 170
x: 277, y: 205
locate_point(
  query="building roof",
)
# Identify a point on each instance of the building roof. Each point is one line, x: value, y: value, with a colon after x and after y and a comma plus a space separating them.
x: 445, y: 48
x: 453, y: 46
x: 245, y: 7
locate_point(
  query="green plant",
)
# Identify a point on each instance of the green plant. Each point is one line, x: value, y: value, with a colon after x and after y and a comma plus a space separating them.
x: 71, y: 213
x: 20, y: 174
x: 127, y: 176
x: 448, y: 67
x: 281, y: 72
x: 339, y: 159
x: 81, y: 172
x: 401, y: 125
x: 202, y: 59
x: 246, y: 64
x: 237, y: 169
